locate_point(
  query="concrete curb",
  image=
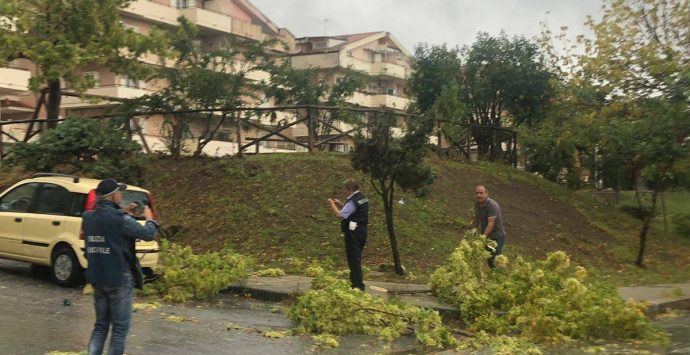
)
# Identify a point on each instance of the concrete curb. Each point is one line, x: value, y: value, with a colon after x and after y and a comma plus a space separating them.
x: 659, y: 297
x: 276, y: 289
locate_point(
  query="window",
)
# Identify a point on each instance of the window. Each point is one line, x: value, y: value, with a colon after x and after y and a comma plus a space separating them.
x: 78, y: 204
x: 53, y: 199
x: 91, y: 75
x: 19, y: 199
x: 179, y: 4
x: 131, y: 83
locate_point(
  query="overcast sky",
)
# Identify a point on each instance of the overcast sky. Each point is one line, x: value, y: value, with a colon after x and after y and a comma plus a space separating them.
x: 455, y: 22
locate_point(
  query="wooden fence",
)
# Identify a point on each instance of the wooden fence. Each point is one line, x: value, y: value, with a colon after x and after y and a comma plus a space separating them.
x: 324, y: 124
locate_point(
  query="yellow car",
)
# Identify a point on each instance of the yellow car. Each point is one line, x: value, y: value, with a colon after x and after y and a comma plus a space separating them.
x: 40, y: 223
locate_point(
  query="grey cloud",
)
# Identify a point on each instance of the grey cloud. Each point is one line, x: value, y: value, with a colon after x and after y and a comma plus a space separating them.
x: 455, y: 22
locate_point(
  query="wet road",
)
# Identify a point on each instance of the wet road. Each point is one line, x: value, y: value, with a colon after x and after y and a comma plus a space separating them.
x: 34, y: 320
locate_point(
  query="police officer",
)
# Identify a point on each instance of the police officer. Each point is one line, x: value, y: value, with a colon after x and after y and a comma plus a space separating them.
x: 113, y: 268
x: 354, y: 216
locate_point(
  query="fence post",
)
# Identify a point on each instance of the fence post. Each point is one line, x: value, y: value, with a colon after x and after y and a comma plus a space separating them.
x: 2, y: 141
x: 239, y: 134
x: 310, y: 130
x: 515, y: 150
x: 438, y: 133
x: 469, y: 142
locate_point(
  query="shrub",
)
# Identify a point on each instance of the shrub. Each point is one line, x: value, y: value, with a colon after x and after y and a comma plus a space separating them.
x: 87, y: 146
x: 197, y: 276
x: 546, y: 301
x: 333, y: 308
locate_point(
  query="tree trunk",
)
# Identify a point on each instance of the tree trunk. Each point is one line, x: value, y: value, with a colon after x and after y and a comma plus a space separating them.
x: 646, y: 222
x: 388, y: 209
x: 54, y: 97
x: 176, y: 134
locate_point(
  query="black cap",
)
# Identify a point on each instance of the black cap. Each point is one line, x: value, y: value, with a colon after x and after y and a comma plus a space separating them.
x: 109, y: 186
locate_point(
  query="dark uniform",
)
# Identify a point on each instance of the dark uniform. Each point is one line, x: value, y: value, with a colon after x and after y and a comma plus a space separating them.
x: 357, y: 238
x: 113, y: 270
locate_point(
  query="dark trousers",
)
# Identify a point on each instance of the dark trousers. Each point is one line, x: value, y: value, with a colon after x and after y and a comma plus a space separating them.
x: 499, y: 250
x: 354, y: 244
x: 113, y: 305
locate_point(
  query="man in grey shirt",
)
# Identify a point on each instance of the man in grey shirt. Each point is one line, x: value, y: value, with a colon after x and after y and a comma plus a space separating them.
x: 489, y: 220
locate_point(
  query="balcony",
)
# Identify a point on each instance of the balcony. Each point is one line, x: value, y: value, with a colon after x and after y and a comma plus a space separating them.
x: 101, y: 95
x: 208, y: 19
x: 389, y: 101
x: 355, y: 64
x: 389, y: 69
x: 300, y: 130
x: 378, y: 68
x: 152, y: 11
x: 254, y: 75
x: 14, y: 81
x: 360, y: 99
x: 247, y: 30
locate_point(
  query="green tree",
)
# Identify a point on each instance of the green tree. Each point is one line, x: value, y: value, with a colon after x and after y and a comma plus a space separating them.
x: 452, y: 122
x: 562, y: 146
x: 200, y: 80
x: 433, y: 69
x: 499, y: 82
x: 392, y: 162
x: 61, y: 36
x: 640, y: 61
x: 78, y: 145
x: 505, y: 82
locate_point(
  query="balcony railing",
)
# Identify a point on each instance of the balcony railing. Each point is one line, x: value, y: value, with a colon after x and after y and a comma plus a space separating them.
x: 379, y: 100
x: 389, y: 69
x: 153, y: 11
x: 99, y: 96
x: 208, y: 19
x: 14, y: 81
x: 378, y: 68
x: 248, y: 30
x: 389, y: 101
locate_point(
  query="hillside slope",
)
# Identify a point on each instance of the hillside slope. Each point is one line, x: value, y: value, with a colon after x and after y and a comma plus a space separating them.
x: 274, y: 207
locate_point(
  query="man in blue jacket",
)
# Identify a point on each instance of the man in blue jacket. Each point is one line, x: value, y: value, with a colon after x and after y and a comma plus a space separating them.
x: 110, y: 235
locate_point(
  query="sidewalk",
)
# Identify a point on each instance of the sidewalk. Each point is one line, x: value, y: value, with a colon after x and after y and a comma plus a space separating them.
x: 280, y: 288
x: 659, y: 297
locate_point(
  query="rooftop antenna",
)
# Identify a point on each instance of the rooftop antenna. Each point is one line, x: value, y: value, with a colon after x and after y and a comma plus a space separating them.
x: 325, y: 22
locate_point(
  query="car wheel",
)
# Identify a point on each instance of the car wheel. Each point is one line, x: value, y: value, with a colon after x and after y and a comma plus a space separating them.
x: 66, y: 270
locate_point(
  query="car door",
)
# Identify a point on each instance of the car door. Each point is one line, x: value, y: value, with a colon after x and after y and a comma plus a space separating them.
x: 47, y: 222
x: 14, y: 210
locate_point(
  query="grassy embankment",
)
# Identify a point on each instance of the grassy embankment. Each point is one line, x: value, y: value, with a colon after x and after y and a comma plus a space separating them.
x: 274, y: 208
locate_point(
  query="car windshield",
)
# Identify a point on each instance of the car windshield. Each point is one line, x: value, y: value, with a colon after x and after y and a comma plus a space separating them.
x: 131, y: 198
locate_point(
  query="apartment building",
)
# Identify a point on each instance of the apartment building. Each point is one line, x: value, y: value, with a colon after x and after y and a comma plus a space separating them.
x: 217, y: 21
x: 377, y: 54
